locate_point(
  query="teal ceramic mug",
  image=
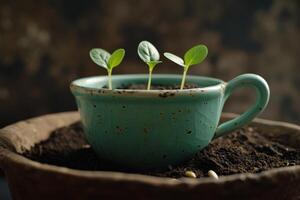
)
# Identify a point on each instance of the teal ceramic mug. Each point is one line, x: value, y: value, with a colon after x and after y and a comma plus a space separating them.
x: 143, y: 129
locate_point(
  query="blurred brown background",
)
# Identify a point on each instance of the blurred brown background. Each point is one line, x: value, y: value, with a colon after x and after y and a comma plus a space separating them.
x: 44, y: 45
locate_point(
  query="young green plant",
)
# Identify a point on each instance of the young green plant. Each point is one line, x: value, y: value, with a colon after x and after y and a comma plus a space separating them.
x: 106, y: 60
x: 149, y: 54
x: 193, y: 56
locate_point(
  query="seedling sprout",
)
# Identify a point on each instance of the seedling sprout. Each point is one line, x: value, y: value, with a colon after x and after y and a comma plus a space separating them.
x: 193, y: 56
x: 106, y: 60
x: 149, y: 54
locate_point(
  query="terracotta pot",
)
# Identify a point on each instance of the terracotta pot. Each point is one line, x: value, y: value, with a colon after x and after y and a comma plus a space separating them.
x: 32, y: 180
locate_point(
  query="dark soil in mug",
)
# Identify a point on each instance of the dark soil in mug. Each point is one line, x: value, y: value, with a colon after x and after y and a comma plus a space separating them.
x: 158, y: 87
x: 245, y: 150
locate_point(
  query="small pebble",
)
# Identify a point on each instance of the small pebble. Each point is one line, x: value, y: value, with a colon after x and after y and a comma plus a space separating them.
x: 213, y: 174
x: 190, y: 174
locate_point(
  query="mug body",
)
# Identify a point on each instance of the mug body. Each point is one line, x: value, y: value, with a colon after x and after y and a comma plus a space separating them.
x: 143, y: 129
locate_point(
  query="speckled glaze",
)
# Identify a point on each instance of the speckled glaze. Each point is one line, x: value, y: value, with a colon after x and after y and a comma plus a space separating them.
x: 153, y: 129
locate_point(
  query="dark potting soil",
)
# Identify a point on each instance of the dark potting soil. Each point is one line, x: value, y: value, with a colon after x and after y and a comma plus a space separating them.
x: 245, y: 150
x: 158, y: 87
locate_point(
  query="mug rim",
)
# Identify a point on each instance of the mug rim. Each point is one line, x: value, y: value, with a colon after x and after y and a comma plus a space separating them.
x: 79, y: 86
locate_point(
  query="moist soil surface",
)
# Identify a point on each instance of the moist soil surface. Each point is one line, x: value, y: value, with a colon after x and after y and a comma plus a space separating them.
x: 158, y: 87
x: 244, y: 150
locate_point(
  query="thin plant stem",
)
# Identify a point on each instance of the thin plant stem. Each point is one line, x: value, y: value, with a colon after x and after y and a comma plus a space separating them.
x: 149, y: 79
x: 109, y: 79
x: 183, y: 78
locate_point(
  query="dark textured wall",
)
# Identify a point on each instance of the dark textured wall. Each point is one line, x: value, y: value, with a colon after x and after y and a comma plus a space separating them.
x: 44, y: 45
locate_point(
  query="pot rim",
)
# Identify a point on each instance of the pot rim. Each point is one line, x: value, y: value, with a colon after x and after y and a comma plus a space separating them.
x: 79, y: 86
x: 9, y: 158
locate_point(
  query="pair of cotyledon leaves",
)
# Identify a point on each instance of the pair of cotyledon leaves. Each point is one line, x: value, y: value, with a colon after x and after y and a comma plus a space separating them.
x: 193, y: 56
x: 149, y: 54
x: 105, y: 59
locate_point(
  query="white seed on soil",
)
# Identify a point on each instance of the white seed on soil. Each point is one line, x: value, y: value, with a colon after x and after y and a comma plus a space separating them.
x: 250, y: 129
x: 190, y: 174
x: 86, y: 146
x: 213, y: 174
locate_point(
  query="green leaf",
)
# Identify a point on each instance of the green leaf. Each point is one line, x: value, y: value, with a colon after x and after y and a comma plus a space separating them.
x: 100, y: 57
x: 195, y: 55
x: 152, y: 64
x: 174, y: 58
x: 116, y: 58
x: 147, y: 52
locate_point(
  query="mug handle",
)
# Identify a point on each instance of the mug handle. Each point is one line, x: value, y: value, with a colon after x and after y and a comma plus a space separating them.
x: 262, y: 98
